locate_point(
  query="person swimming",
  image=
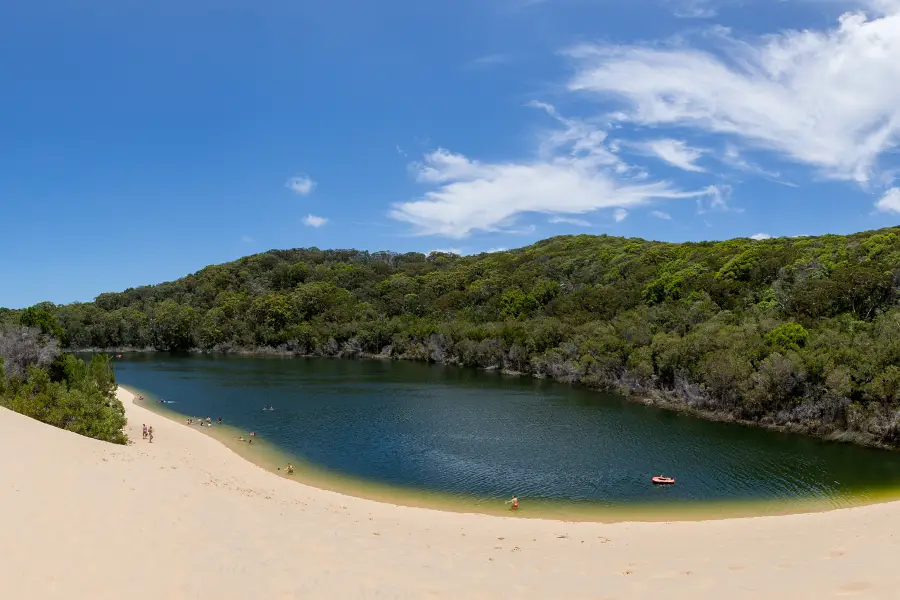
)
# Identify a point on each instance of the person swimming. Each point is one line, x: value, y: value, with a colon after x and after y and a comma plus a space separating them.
x: 514, y: 503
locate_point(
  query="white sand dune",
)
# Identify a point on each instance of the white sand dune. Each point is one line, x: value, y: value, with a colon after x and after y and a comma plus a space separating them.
x: 185, y: 517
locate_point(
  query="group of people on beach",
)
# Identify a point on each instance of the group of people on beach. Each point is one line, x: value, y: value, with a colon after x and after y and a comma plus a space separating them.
x: 147, y: 432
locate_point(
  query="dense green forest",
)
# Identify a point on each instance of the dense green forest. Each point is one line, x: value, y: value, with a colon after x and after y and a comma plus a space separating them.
x: 40, y: 381
x: 802, y: 333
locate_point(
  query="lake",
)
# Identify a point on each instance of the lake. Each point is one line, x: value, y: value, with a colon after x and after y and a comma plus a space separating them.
x: 474, y: 438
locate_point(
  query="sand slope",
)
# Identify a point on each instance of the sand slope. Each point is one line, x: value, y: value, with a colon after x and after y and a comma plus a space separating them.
x: 185, y: 517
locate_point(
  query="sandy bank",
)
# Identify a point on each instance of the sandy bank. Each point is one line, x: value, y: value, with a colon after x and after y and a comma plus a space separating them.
x: 185, y: 517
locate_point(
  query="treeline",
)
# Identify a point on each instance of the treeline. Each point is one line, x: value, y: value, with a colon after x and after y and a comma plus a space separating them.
x: 40, y: 381
x: 798, y: 332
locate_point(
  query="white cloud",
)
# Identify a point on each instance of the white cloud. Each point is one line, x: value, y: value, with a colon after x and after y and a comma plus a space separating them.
x: 760, y: 236
x: 570, y: 221
x: 498, y: 249
x: 890, y: 202
x: 575, y: 173
x: 620, y: 214
x: 301, y: 184
x: 715, y: 200
x: 447, y: 251
x: 675, y: 152
x: 247, y: 239
x: 661, y: 215
x: 314, y: 221
x: 828, y: 99
x: 694, y: 9
x: 491, y: 60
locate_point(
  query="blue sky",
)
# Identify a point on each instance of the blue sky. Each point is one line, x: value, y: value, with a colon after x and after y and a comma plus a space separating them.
x: 142, y: 141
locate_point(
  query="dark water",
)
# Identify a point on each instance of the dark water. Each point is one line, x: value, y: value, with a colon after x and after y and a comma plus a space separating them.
x: 478, y: 435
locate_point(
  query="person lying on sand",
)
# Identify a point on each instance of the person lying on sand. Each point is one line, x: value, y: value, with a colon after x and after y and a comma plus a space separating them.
x: 514, y: 502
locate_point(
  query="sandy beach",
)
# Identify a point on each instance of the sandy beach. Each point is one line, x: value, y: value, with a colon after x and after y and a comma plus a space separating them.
x: 185, y: 517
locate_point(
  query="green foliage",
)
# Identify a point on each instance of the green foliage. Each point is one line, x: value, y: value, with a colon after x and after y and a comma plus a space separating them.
x: 41, y: 318
x: 803, y: 332
x: 67, y: 393
x: 790, y: 336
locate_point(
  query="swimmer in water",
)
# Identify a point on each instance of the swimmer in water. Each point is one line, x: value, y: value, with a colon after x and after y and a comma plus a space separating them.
x: 290, y: 469
x: 241, y: 439
x: 514, y: 503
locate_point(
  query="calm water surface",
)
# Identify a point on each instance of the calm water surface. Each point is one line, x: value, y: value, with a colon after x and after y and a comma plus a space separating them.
x: 482, y: 436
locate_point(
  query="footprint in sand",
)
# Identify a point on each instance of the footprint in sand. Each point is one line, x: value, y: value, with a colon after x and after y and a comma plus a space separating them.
x: 854, y: 587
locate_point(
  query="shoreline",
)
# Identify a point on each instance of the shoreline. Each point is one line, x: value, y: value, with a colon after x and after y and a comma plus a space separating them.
x: 656, y: 398
x: 265, y: 456
x: 184, y: 517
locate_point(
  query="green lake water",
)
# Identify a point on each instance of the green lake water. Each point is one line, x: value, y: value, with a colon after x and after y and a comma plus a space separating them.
x: 471, y: 439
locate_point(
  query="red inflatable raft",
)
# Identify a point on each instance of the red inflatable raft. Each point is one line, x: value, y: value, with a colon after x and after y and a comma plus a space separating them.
x: 659, y: 479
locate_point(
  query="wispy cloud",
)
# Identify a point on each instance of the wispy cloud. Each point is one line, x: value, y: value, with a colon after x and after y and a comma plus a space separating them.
x: 570, y: 221
x: 890, y: 202
x: 716, y: 200
x: 827, y: 99
x: 447, y: 251
x: 576, y: 173
x: 301, y: 185
x: 760, y: 236
x: 675, y: 152
x: 247, y: 239
x: 620, y: 214
x: 694, y: 9
x: 314, y: 221
x: 490, y: 60
x: 661, y: 215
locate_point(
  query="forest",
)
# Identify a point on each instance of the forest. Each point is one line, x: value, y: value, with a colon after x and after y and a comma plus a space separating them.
x: 40, y: 381
x: 801, y: 334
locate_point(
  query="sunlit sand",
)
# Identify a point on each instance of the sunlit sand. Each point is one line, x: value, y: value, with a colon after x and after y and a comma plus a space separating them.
x: 185, y: 517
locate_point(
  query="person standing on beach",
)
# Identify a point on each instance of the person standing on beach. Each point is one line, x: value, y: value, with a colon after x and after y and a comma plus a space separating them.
x: 144, y: 431
x: 150, y: 433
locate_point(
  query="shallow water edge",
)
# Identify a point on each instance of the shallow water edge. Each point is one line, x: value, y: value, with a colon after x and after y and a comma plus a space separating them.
x: 273, y: 459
